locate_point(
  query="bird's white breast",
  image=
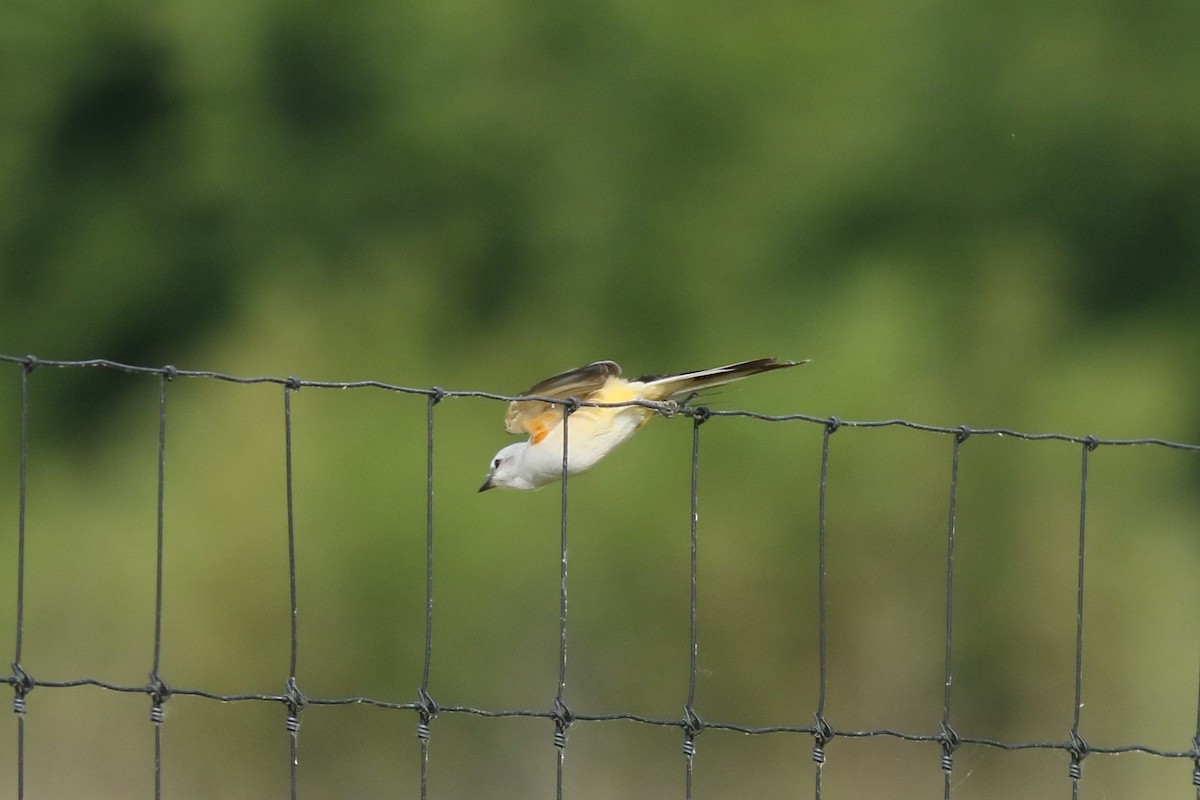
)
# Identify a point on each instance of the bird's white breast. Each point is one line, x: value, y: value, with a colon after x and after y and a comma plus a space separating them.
x: 592, y: 434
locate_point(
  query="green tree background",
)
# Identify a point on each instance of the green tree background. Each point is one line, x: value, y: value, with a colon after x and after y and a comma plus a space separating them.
x: 983, y: 213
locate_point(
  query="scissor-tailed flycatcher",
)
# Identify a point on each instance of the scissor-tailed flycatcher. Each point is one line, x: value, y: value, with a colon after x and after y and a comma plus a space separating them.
x: 594, y: 431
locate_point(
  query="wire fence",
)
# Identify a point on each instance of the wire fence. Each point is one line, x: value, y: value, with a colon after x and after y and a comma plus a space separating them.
x: 691, y: 724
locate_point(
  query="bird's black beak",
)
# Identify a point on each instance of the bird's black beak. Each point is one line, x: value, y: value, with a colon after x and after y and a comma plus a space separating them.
x: 487, y: 485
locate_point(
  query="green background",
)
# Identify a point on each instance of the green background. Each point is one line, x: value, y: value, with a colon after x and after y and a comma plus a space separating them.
x: 983, y: 213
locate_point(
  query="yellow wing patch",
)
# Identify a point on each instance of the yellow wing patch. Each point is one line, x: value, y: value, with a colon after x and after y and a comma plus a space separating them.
x: 538, y: 417
x: 623, y: 392
x: 616, y: 392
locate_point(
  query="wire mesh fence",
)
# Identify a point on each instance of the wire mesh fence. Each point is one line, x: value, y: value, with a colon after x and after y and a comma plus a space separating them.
x: 939, y: 745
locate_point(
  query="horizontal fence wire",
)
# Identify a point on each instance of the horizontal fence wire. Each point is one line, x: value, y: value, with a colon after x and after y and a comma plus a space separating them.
x: 691, y: 724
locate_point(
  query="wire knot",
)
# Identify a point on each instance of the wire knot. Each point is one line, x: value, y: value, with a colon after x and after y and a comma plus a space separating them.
x: 563, y: 717
x: 426, y: 704
x: 570, y: 405
x: 822, y: 733
x: 170, y: 372
x: 1078, y: 749
x: 832, y: 424
x: 295, y: 701
x: 1091, y: 442
x: 22, y: 683
x: 701, y: 415
x: 436, y: 394
x: 30, y: 363
x: 158, y: 689
x: 950, y: 741
x: 963, y: 433
x: 293, y: 382
x: 669, y: 408
x: 692, y: 726
x: 427, y: 708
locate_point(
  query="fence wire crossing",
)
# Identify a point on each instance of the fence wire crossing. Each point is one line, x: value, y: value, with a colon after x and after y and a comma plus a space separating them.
x: 691, y: 724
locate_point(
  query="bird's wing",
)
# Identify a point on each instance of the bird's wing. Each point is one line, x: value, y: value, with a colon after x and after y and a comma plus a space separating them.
x: 537, y: 417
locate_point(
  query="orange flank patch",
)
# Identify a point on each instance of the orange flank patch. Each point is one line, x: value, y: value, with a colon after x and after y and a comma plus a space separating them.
x: 538, y: 435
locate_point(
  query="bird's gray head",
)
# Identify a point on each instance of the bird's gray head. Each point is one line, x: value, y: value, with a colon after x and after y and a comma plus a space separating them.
x: 506, y: 471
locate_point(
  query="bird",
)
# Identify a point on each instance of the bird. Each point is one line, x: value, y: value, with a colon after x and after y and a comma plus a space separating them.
x: 594, y: 431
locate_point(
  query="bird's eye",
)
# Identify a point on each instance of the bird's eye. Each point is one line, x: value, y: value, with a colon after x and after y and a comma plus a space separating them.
x: 496, y: 463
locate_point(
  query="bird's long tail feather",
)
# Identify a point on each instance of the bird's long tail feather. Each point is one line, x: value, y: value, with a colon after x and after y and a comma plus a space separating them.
x: 672, y: 387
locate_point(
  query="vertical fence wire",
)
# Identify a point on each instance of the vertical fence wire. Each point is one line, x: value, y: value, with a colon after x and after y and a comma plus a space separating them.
x: 822, y: 730
x: 157, y: 689
x: 692, y: 723
x: 1076, y: 746
x: 949, y: 738
x: 1196, y: 748
x: 426, y: 708
x: 22, y: 682
x: 562, y: 713
x: 293, y: 698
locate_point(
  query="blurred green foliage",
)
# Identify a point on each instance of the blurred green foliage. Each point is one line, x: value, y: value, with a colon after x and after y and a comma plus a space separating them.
x: 985, y: 213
